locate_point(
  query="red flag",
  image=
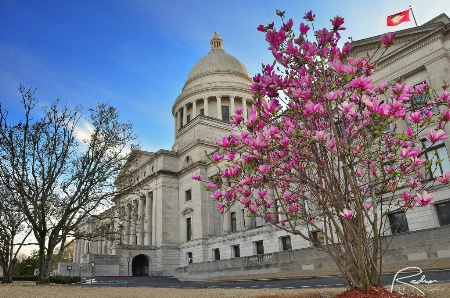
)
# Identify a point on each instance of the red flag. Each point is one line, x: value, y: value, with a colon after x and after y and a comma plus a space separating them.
x: 398, y: 18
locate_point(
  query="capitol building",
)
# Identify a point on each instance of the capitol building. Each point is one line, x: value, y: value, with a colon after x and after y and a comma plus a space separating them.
x: 170, y: 226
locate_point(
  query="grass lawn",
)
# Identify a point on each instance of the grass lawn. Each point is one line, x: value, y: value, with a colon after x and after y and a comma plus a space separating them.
x: 28, y: 291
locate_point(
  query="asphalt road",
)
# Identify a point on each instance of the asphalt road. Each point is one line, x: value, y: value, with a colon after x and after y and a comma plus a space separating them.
x: 429, y: 277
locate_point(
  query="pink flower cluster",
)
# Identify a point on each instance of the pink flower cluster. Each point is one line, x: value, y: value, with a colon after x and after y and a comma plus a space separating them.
x: 334, y: 142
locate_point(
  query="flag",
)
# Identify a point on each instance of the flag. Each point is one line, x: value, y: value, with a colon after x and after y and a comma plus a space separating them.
x: 398, y: 18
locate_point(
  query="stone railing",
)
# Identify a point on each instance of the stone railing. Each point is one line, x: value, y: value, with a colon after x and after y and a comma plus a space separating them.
x: 260, y: 259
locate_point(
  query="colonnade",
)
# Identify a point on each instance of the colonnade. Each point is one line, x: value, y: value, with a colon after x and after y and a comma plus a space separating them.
x: 135, y: 226
x: 181, y: 115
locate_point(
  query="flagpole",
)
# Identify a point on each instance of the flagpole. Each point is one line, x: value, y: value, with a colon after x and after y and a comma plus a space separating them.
x: 410, y: 8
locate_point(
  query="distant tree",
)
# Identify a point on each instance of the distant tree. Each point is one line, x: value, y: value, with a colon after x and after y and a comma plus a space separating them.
x: 13, y: 233
x: 66, y: 256
x: 29, y: 264
x: 59, y: 180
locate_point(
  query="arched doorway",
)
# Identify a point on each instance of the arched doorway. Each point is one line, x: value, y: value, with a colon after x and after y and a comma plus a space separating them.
x: 139, y: 265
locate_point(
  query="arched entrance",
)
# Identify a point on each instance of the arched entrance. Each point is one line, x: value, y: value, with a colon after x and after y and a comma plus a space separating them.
x: 139, y: 265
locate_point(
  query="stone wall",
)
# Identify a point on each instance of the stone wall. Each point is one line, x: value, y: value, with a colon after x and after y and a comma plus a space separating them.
x: 413, y: 246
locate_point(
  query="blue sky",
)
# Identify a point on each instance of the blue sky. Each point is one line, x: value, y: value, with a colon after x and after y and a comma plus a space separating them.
x: 137, y: 54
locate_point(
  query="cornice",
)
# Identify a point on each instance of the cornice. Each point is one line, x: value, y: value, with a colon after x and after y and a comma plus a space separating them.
x: 405, y: 69
x: 411, y: 48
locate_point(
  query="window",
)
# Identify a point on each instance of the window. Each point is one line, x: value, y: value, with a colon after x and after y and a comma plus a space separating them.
x: 253, y: 219
x: 243, y: 217
x: 259, y: 247
x: 236, y: 251
x: 398, y: 222
x: 188, y: 195
x: 437, y: 153
x: 188, y: 118
x: 189, y: 258
x: 418, y: 101
x: 443, y: 213
x: 188, y: 229
x: 202, y: 111
x: 286, y: 243
x: 216, y: 254
x: 317, y: 237
x: 233, y: 222
x: 226, y: 114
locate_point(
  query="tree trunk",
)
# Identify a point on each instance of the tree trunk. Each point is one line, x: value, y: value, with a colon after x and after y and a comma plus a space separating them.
x: 7, y: 279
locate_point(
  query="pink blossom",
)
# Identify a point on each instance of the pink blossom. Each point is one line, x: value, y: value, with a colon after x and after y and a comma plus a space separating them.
x: 414, y: 183
x: 415, y: 116
x: 363, y: 83
x: 282, y: 222
x: 367, y: 206
x: 224, y: 143
x: 424, y: 199
x: 417, y: 161
x: 444, y: 179
x: 217, y: 156
x: 221, y: 207
x: 211, y: 185
x: 304, y: 28
x: 217, y: 194
x: 196, y: 176
x: 229, y: 156
x: 269, y: 217
x: 347, y: 213
x: 407, y: 197
x: 446, y: 114
x: 436, y: 135
x: 263, y: 168
x: 309, y: 16
x: 387, y: 39
x: 348, y: 108
x: 409, y: 131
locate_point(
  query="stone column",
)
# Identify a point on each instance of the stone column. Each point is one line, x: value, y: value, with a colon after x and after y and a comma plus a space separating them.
x: 205, y: 106
x: 98, y: 246
x: 82, y: 247
x: 154, y: 203
x: 127, y: 235
x: 140, y: 227
x: 194, y: 109
x: 184, y: 115
x: 244, y: 109
x: 76, y: 251
x: 219, y: 107
x: 178, y: 120
x: 248, y: 219
x: 273, y: 208
x: 133, y: 222
x: 232, y: 107
x: 227, y: 222
x: 148, y: 219
x: 175, y: 125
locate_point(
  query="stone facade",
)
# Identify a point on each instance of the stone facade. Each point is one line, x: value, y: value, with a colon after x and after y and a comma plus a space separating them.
x: 173, y: 223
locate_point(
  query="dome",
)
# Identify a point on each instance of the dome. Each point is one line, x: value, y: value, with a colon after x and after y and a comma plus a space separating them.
x: 217, y: 61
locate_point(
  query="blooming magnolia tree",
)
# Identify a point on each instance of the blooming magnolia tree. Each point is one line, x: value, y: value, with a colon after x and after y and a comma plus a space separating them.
x: 325, y: 150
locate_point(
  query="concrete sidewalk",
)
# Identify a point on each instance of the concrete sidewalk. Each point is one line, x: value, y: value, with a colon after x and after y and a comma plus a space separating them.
x: 425, y: 265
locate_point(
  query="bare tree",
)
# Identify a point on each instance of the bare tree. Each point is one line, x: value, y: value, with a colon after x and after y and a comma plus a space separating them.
x: 13, y: 233
x: 59, y: 180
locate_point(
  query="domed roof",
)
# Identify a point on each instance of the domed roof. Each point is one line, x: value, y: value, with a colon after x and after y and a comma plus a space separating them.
x: 217, y: 61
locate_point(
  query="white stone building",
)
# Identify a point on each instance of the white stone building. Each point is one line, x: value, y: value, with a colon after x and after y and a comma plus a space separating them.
x: 173, y: 223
